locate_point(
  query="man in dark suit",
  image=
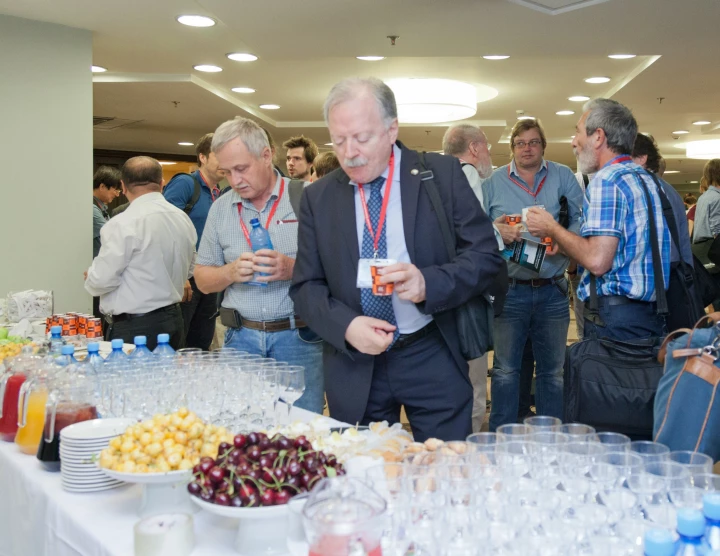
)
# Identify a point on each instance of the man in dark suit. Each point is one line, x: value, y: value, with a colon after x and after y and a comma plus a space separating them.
x: 384, y: 352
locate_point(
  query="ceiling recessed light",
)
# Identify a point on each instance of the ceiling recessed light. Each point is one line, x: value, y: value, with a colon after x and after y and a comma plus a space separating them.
x: 166, y: 163
x: 269, y: 106
x: 578, y: 98
x: 572, y: 137
x: 621, y: 56
x: 672, y: 171
x: 185, y: 144
x: 328, y: 144
x: 597, y: 80
x: 243, y: 90
x: 242, y: 57
x: 701, y: 122
x: 196, y: 20
x: 496, y: 57
x: 208, y: 68
x: 370, y: 58
x: 694, y: 181
x: 526, y: 117
x: 680, y: 132
x: 565, y: 113
x: 98, y: 69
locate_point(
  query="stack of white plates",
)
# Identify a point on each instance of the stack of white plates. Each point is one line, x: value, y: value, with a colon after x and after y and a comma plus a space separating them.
x: 79, y: 445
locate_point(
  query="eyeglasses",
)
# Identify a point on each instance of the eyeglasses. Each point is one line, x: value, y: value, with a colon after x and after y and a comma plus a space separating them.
x: 533, y: 143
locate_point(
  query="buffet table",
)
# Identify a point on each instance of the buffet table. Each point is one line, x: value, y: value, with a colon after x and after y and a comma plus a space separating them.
x: 38, y: 518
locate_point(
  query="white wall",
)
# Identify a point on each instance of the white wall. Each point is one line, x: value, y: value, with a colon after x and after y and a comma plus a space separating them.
x: 45, y: 160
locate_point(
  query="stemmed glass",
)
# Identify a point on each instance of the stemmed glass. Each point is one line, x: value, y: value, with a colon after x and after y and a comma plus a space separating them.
x: 291, y: 379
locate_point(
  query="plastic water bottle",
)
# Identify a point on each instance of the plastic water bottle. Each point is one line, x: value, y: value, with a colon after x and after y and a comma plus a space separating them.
x: 93, y: 358
x: 691, y: 528
x: 711, y: 509
x: 659, y: 542
x: 259, y: 239
x: 164, y: 349
x: 67, y: 357
x: 142, y: 354
x: 117, y: 356
x: 56, y: 341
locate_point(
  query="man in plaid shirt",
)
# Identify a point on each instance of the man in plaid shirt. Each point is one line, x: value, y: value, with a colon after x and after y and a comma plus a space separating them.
x: 614, y: 243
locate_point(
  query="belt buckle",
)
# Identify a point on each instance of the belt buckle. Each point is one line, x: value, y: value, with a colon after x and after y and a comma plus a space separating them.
x: 536, y: 282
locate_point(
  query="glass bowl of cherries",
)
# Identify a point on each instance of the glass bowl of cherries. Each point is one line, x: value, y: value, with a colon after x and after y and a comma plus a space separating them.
x: 253, y: 479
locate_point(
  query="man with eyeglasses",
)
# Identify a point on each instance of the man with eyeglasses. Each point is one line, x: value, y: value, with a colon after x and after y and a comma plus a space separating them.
x: 537, y: 302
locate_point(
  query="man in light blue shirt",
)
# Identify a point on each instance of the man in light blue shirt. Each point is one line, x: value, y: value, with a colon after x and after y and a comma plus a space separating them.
x: 537, y: 302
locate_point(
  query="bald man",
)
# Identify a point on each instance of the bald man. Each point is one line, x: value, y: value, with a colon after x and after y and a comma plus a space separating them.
x: 147, y: 256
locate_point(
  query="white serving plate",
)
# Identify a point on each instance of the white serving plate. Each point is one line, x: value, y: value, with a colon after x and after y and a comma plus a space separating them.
x: 92, y: 489
x: 84, y: 475
x: 95, y: 429
x: 170, y: 477
x: 261, y: 512
x: 89, y: 484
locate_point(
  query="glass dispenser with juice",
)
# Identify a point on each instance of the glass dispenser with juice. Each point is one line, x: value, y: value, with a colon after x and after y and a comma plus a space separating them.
x: 31, y: 410
x: 19, y: 369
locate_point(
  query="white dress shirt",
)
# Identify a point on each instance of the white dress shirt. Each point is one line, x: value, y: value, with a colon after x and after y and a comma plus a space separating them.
x: 147, y: 254
x: 476, y: 182
x: 409, y: 318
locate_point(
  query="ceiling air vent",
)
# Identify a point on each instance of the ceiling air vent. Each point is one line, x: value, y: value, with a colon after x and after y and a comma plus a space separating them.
x: 103, y: 123
x: 555, y: 7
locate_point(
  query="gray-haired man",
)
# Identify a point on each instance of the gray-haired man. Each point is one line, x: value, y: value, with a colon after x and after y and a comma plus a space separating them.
x: 261, y: 319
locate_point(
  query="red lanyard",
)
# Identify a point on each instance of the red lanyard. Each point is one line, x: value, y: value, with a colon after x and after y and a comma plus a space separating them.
x: 542, y: 182
x: 214, y: 191
x: 620, y: 159
x: 269, y: 218
x: 383, y: 210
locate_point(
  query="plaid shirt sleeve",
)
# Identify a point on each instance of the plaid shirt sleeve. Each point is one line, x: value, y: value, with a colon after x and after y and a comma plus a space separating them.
x: 605, y: 210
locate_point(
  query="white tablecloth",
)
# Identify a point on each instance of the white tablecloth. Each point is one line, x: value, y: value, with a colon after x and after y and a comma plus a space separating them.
x: 38, y: 518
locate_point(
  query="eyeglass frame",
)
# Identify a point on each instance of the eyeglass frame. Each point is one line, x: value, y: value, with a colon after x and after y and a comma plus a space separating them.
x: 522, y: 144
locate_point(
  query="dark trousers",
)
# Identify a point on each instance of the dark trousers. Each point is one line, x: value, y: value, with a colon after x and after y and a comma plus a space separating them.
x: 424, y: 378
x: 96, y: 308
x: 632, y: 321
x: 527, y: 370
x: 167, y: 321
x: 199, y: 318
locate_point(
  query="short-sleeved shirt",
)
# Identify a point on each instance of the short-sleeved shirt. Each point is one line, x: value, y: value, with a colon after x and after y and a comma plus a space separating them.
x: 179, y: 192
x: 503, y: 194
x: 100, y: 217
x: 223, y: 242
x: 707, y: 215
x: 615, y: 206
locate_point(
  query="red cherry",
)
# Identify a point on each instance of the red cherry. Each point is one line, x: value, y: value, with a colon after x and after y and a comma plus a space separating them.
x: 222, y: 499
x: 236, y: 502
x: 217, y: 474
x: 207, y: 495
x: 279, y: 474
x: 206, y: 464
x: 253, y: 453
x: 240, y: 441
x: 224, y: 448
x: 331, y: 460
x: 282, y: 498
x: 301, y: 442
x: 263, y: 442
x: 194, y: 488
x: 252, y: 438
x: 267, y: 498
x: 267, y: 475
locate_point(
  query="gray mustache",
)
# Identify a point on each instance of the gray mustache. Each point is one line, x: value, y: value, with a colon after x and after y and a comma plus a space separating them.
x: 355, y: 162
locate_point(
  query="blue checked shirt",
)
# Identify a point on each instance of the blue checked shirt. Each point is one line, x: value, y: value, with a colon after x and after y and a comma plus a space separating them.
x: 615, y: 206
x: 223, y: 242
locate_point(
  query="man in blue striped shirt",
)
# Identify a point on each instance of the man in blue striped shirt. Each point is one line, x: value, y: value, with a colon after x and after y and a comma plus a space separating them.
x: 614, y: 243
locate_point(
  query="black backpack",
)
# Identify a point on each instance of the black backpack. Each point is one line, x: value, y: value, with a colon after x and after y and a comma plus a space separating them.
x: 196, y: 192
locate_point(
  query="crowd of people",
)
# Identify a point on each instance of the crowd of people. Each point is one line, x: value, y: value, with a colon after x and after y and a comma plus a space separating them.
x: 347, y: 224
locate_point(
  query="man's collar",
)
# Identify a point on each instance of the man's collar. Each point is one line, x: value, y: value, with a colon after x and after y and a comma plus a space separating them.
x: 513, y: 168
x: 99, y: 203
x: 147, y: 197
x: 274, y: 195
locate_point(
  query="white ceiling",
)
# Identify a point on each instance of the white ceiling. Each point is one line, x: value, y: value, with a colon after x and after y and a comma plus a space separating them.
x: 305, y: 47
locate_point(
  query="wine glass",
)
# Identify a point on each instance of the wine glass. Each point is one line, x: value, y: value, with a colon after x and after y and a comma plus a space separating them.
x: 292, y: 385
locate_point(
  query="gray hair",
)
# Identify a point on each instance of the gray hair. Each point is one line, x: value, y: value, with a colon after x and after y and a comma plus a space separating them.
x: 458, y: 137
x: 616, y: 120
x: 250, y: 133
x: 353, y: 87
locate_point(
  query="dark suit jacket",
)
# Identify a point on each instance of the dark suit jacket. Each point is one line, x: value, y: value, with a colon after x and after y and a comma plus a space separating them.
x: 324, y: 281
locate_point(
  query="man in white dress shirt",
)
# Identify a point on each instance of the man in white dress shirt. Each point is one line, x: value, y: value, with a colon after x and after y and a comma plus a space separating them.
x: 146, y: 258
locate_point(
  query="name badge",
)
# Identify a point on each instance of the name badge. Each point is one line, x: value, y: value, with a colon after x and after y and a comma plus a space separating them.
x: 368, y: 278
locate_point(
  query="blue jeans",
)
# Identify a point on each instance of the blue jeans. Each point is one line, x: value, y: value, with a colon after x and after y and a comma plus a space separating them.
x: 297, y: 347
x: 543, y: 315
x: 625, y: 322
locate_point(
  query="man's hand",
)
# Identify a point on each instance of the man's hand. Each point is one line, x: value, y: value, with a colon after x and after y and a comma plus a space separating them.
x: 187, y: 292
x: 540, y: 222
x: 509, y: 233
x: 85, y: 275
x: 277, y: 265
x: 241, y: 269
x: 554, y: 249
x: 409, y: 281
x: 369, y: 335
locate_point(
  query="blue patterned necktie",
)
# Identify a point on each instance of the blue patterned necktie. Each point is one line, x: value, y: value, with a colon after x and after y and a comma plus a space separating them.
x: 379, y: 307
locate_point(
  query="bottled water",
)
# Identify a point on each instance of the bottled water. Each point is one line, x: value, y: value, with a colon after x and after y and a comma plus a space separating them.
x: 691, y: 529
x: 93, y: 358
x: 117, y: 355
x: 163, y: 348
x: 67, y: 357
x: 56, y: 341
x: 259, y: 239
x: 711, y: 509
x: 659, y: 542
x: 142, y: 354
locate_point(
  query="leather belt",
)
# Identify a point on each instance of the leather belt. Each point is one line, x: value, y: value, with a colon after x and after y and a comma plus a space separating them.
x: 272, y: 325
x: 536, y: 282
x: 129, y: 316
x: 404, y: 340
x: 614, y: 300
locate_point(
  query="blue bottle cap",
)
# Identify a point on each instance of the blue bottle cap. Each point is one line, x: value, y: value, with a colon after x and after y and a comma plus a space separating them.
x: 93, y: 347
x: 117, y: 344
x: 711, y: 505
x: 68, y: 350
x: 56, y: 330
x: 163, y: 338
x: 255, y: 222
x: 659, y: 542
x: 690, y: 522
x: 140, y: 340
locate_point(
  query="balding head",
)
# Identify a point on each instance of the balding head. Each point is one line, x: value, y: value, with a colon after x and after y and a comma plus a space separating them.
x: 468, y: 142
x: 141, y: 174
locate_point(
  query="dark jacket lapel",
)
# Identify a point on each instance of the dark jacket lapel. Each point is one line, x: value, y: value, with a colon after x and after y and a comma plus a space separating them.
x: 410, y: 185
x: 345, y: 218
